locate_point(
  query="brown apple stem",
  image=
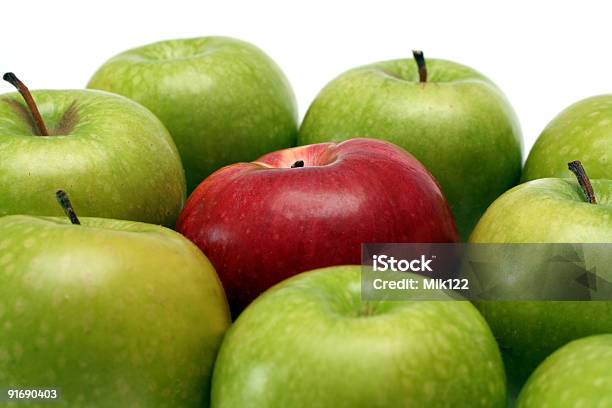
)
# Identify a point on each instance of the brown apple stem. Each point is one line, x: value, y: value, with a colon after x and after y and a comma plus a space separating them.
x: 27, y: 96
x: 299, y: 163
x: 64, y: 201
x: 419, y: 58
x: 576, y: 168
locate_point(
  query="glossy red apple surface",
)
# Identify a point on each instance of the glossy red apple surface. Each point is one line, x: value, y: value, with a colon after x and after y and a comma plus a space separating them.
x: 309, y: 207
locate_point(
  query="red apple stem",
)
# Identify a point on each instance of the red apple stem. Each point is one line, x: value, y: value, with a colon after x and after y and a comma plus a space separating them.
x: 299, y: 163
x: 29, y: 100
x: 64, y: 201
x: 419, y: 58
x: 578, y: 170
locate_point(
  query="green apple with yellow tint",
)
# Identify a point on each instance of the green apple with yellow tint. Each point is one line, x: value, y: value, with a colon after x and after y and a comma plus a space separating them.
x: 223, y: 100
x: 452, y: 118
x: 311, y: 341
x: 583, y: 130
x: 549, y: 210
x: 116, y: 158
x: 109, y: 313
x: 576, y: 375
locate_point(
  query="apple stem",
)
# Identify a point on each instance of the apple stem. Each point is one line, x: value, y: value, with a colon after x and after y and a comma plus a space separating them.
x: 64, y: 201
x: 27, y: 96
x: 419, y: 58
x: 299, y: 163
x: 578, y: 170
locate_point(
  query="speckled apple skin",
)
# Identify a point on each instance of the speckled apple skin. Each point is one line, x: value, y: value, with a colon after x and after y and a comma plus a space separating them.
x: 311, y: 341
x: 545, y: 210
x: 113, y: 157
x: 458, y: 124
x: 577, y: 375
x: 223, y: 100
x: 110, y: 313
x: 582, y: 132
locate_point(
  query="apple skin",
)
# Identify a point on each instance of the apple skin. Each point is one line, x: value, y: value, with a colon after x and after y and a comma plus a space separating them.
x: 223, y: 100
x: 115, y: 313
x: 577, y: 375
x: 311, y: 341
x: 582, y: 131
x: 262, y: 222
x: 113, y: 156
x: 458, y: 124
x: 545, y: 211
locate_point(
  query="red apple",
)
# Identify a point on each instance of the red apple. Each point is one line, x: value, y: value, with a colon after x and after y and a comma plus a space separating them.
x: 309, y: 207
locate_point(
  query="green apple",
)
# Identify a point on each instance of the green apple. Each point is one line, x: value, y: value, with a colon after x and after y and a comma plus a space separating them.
x: 547, y: 210
x: 577, y: 375
x: 311, y: 341
x: 223, y: 100
x: 109, y: 313
x: 583, y: 130
x: 450, y: 117
x: 115, y: 156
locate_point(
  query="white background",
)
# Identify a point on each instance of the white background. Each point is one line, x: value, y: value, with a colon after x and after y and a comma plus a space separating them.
x: 544, y: 56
